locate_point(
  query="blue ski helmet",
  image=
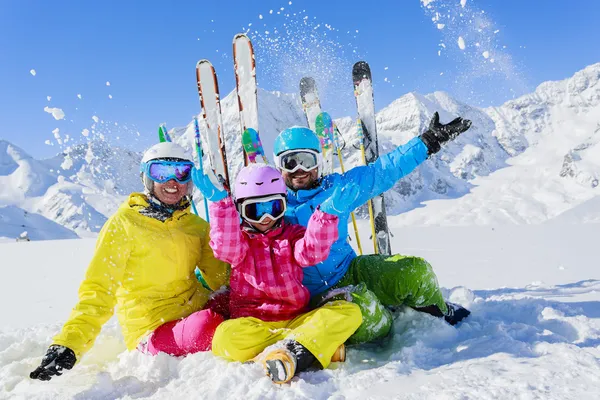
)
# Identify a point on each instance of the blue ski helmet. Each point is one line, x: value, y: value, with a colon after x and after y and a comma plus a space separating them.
x: 296, y: 138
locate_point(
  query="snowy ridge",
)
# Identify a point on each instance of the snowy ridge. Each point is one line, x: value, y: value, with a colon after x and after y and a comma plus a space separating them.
x: 69, y: 195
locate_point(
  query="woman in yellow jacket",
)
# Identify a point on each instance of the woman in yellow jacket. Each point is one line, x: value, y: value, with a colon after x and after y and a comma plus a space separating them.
x: 144, y: 263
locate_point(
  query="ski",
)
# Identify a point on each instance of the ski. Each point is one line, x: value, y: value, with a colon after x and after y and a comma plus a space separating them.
x: 210, y: 102
x: 324, y: 129
x: 253, y: 147
x: 363, y: 91
x: 310, y: 100
x: 246, y: 87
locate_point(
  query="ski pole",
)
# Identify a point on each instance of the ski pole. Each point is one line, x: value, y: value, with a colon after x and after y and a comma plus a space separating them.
x: 199, y: 152
x: 359, y: 128
x: 339, y: 153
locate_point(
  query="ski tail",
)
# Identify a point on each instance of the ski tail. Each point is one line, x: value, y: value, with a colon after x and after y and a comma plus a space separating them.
x: 210, y: 102
x: 324, y: 131
x: 309, y: 96
x: 363, y: 91
x: 246, y: 86
x: 253, y: 147
x: 163, y: 134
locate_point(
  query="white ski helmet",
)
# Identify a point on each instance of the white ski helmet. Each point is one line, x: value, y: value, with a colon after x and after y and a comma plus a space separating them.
x: 163, y: 151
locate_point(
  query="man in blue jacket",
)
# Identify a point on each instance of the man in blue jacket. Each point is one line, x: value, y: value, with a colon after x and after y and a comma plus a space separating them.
x: 370, y: 280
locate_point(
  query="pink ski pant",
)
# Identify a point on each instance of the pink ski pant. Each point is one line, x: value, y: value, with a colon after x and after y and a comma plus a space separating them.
x: 188, y: 335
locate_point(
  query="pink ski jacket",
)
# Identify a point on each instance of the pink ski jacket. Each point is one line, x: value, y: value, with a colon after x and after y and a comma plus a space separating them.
x: 266, y: 269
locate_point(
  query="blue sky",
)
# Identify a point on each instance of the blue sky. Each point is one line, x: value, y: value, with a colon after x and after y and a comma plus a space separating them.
x: 148, y: 50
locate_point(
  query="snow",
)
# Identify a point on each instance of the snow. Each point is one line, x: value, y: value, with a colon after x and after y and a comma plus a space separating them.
x: 32, y: 72
x: 534, y: 332
x: 461, y: 43
x: 486, y: 54
x: 107, y: 83
x: 463, y: 3
x: 57, y: 113
x: 79, y: 96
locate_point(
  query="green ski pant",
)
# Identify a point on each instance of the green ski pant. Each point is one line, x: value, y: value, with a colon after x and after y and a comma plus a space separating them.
x: 375, y: 281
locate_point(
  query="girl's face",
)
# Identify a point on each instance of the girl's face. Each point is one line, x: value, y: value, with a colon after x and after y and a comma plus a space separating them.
x: 264, y: 226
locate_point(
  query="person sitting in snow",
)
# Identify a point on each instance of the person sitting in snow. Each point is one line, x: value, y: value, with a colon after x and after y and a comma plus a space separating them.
x: 145, y: 258
x: 370, y: 280
x: 268, y: 302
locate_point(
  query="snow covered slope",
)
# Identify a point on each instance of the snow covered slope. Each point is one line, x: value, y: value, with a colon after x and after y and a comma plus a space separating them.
x: 534, y: 332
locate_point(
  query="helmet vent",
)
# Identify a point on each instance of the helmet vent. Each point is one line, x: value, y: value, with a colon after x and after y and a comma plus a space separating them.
x: 259, y: 183
x: 274, y: 180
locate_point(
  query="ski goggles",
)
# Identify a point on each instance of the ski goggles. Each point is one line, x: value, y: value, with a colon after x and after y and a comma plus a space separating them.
x: 162, y: 171
x: 258, y: 209
x: 293, y: 160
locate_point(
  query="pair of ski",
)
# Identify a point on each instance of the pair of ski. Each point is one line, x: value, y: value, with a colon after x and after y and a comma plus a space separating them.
x: 325, y: 128
x: 211, y: 120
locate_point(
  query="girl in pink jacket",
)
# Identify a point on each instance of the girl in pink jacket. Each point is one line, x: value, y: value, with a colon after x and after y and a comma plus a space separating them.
x: 268, y: 303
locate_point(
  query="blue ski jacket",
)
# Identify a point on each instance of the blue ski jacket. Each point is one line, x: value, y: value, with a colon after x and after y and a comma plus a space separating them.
x: 373, y: 180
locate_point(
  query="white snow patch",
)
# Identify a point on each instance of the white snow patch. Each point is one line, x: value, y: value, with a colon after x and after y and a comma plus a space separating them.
x: 57, y: 113
x: 95, y: 118
x: 441, y: 26
x: 79, y: 96
x: 32, y: 72
x: 107, y: 83
x: 461, y: 43
x: 463, y: 3
x: 486, y: 54
x: 85, y: 132
x: 48, y: 98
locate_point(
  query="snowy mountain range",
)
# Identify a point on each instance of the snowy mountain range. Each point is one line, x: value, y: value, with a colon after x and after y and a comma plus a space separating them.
x: 526, y: 161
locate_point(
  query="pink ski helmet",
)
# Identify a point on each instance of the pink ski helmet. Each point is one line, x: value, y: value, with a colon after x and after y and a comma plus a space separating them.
x: 258, y: 180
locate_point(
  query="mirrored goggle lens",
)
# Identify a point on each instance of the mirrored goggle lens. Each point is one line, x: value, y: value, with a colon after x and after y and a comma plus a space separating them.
x: 255, y: 211
x: 299, y: 160
x: 165, y: 171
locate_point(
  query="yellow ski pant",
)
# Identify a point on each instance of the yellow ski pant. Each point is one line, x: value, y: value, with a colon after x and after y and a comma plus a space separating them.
x: 321, y: 331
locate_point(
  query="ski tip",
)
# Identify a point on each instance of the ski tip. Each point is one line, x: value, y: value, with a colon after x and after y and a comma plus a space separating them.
x: 202, y: 62
x: 240, y: 36
x: 307, y: 81
x: 361, y: 70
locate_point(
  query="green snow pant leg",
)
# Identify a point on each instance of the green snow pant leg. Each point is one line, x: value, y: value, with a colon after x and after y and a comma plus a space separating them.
x: 376, y: 319
x: 397, y: 280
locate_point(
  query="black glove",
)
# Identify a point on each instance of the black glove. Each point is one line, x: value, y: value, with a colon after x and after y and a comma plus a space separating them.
x: 56, y: 359
x: 440, y: 133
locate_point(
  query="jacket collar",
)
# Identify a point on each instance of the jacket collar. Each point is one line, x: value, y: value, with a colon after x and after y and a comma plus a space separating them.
x: 152, y: 208
x: 303, y: 195
x: 252, y: 233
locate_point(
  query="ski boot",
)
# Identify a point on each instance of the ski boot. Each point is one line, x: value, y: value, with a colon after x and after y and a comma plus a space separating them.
x: 456, y: 313
x: 282, y: 364
x: 340, y: 354
x: 453, y: 316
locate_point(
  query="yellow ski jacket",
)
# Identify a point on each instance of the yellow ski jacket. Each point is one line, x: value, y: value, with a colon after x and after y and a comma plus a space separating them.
x: 145, y: 267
